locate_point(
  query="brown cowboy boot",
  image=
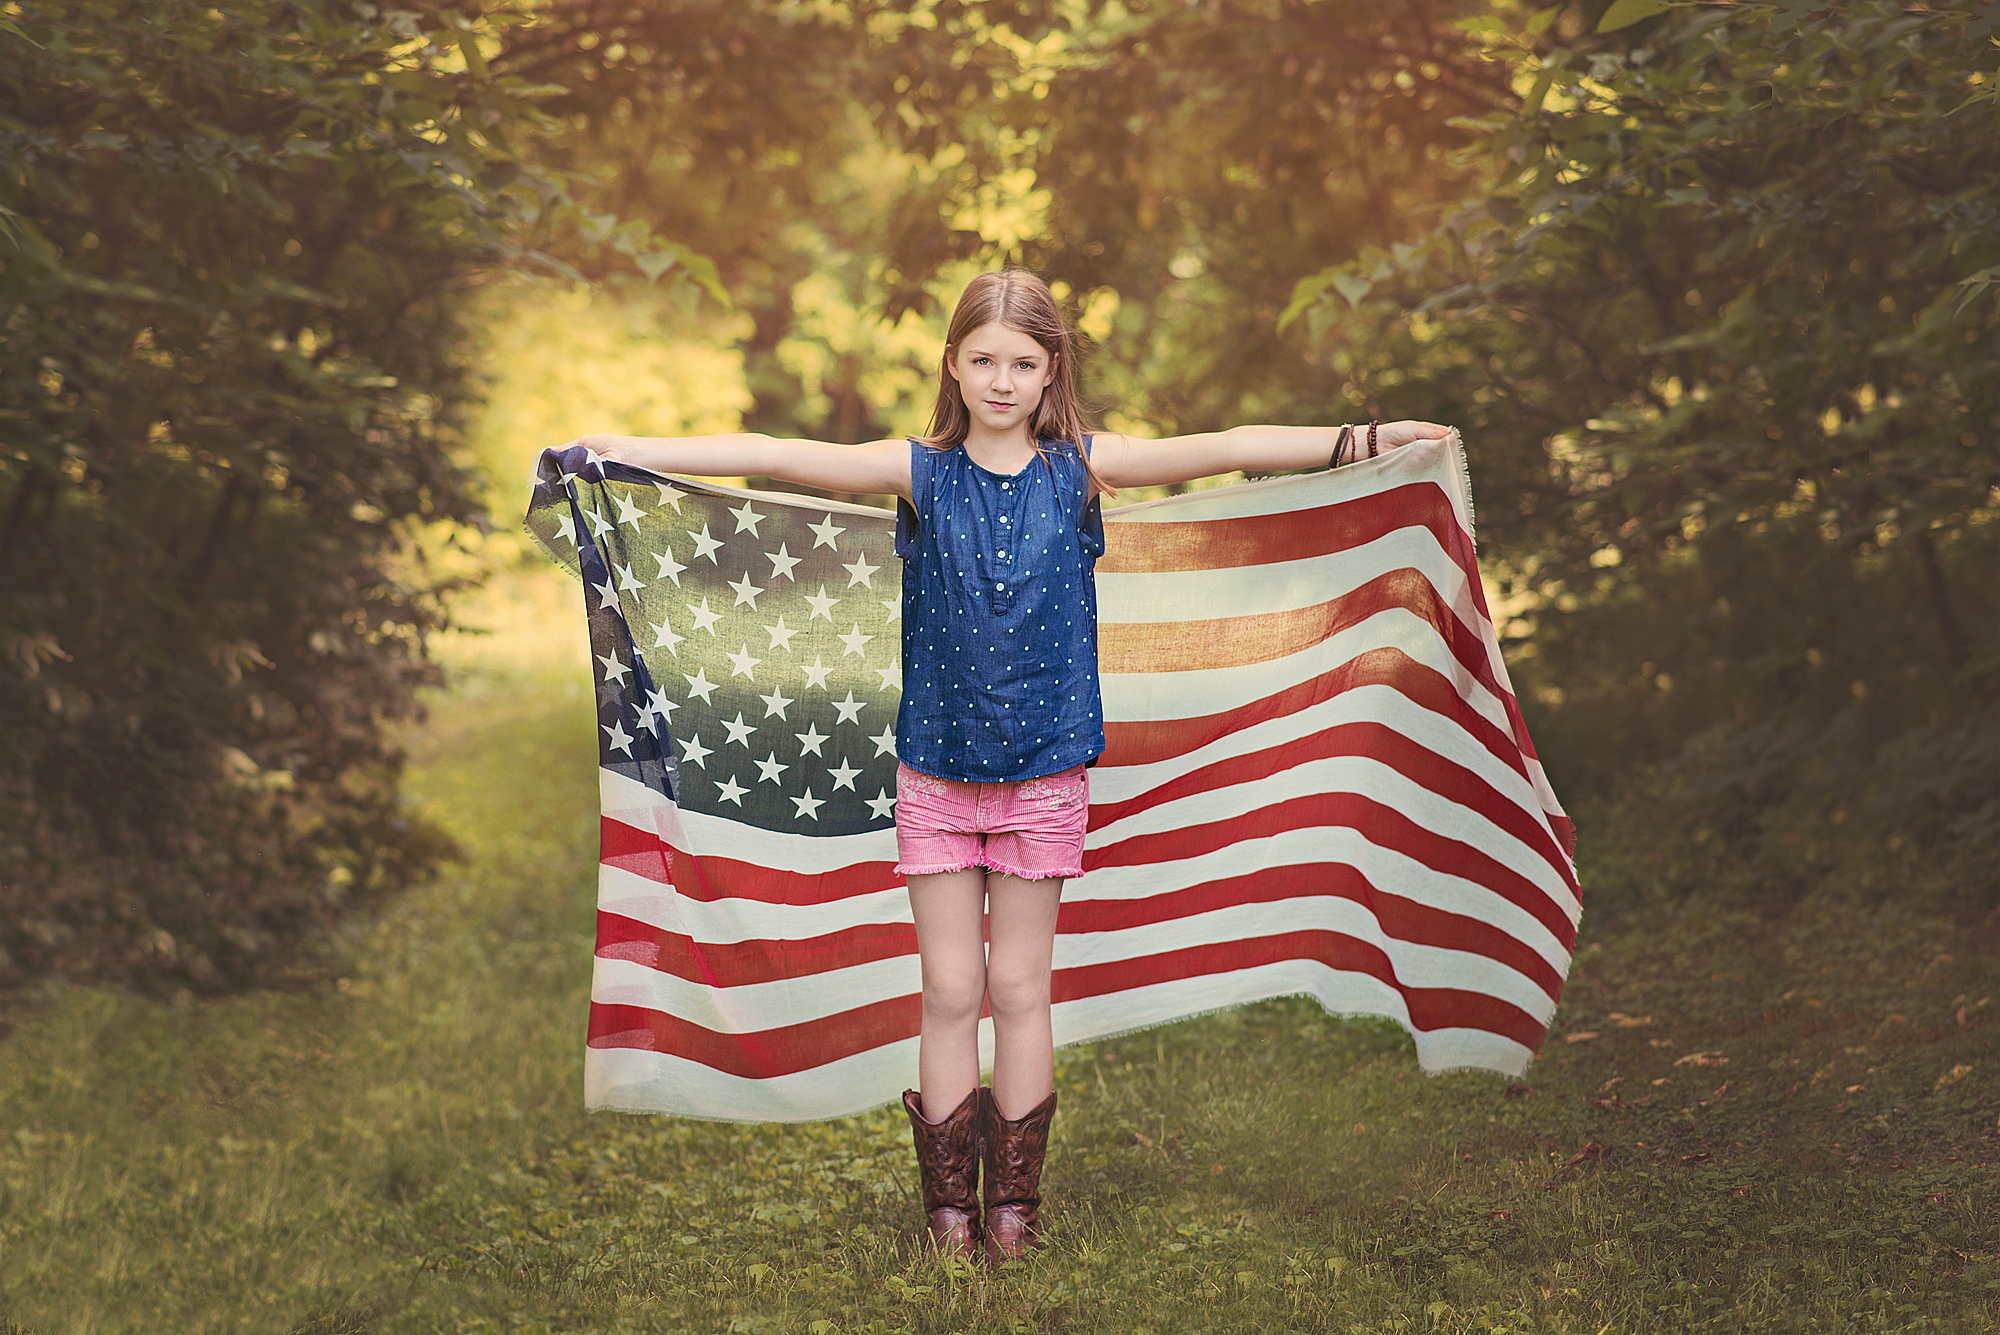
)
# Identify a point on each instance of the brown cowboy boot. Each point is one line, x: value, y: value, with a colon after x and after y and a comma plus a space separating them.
x: 948, y: 1169
x: 1014, y: 1152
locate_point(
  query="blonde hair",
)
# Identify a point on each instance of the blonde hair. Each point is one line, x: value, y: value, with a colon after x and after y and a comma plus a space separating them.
x: 1017, y: 299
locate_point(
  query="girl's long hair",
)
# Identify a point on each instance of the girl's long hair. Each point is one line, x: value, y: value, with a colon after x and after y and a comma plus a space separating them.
x: 1021, y: 301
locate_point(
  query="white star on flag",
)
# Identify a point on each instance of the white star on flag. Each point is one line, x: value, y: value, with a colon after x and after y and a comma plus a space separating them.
x: 782, y: 562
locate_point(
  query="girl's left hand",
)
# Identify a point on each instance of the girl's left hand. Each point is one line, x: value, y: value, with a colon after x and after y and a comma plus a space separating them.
x: 1391, y: 435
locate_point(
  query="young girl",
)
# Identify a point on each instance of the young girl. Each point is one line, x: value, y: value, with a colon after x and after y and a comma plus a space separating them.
x: 1000, y: 714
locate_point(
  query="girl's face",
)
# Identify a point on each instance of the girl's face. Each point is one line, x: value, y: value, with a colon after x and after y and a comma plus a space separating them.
x: 1001, y: 374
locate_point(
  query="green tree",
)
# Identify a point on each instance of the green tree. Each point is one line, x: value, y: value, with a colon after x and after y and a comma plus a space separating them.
x: 1723, y: 331
x: 233, y: 241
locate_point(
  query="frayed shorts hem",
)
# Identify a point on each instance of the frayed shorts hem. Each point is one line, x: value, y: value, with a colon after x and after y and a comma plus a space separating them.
x: 1059, y: 873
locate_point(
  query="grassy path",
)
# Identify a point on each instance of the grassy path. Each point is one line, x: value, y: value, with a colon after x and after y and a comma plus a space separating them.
x: 1738, y: 1126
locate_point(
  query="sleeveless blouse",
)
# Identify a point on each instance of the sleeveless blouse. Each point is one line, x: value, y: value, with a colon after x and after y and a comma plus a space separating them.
x: 999, y: 617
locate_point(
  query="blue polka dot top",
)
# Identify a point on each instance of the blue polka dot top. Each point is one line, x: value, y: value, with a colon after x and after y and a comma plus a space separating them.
x: 999, y: 617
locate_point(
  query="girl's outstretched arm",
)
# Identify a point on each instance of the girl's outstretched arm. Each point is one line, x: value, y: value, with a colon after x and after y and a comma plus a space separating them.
x: 1135, y: 461
x: 880, y: 467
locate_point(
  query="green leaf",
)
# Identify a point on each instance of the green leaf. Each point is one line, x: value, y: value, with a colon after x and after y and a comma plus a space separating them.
x: 653, y: 263
x: 1352, y: 286
x: 1539, y: 93
x: 474, y: 60
x: 1539, y: 23
x: 1625, y: 13
x: 1304, y: 293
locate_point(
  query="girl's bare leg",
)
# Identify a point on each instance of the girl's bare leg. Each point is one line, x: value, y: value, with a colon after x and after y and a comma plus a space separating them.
x: 950, y: 911
x: 1022, y: 927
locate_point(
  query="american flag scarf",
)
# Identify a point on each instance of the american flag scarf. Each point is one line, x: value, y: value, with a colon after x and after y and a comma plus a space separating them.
x: 1317, y: 782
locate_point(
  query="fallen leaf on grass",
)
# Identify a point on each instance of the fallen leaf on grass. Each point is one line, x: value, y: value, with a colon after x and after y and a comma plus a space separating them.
x: 1143, y: 1139
x: 1502, y: 1215
x: 1629, y: 1021
x: 1720, y: 1092
x: 1593, y: 1152
x: 1953, y: 1076
x: 1582, y: 1036
x: 1856, y: 1089
x: 1934, y: 1197
x: 1217, y: 1172
x: 1700, y: 1156
x: 1741, y: 1190
x: 1517, y: 1091
x: 1702, y: 1059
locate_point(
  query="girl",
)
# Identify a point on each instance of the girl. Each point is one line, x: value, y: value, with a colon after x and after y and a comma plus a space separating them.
x: 998, y: 529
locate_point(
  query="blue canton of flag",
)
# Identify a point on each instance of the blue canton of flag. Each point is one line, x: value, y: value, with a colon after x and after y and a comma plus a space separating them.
x: 747, y: 647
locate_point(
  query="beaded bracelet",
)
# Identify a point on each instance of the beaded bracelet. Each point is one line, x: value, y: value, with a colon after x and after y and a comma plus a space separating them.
x: 1371, y: 437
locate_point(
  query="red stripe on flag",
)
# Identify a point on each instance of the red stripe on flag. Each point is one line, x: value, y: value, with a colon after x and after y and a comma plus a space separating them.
x: 1141, y: 548
x: 1140, y: 647
x: 741, y: 963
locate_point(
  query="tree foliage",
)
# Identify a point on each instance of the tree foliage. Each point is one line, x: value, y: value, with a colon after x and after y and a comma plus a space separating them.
x: 235, y: 242
x: 1724, y: 329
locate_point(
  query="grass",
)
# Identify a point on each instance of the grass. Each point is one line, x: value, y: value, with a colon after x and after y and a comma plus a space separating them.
x: 1738, y: 1125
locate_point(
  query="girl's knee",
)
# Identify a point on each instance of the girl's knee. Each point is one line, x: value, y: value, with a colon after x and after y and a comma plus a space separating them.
x: 954, y: 1000
x: 1020, y: 995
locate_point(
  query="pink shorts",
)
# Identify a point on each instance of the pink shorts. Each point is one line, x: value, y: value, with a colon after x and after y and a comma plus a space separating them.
x: 1031, y: 828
